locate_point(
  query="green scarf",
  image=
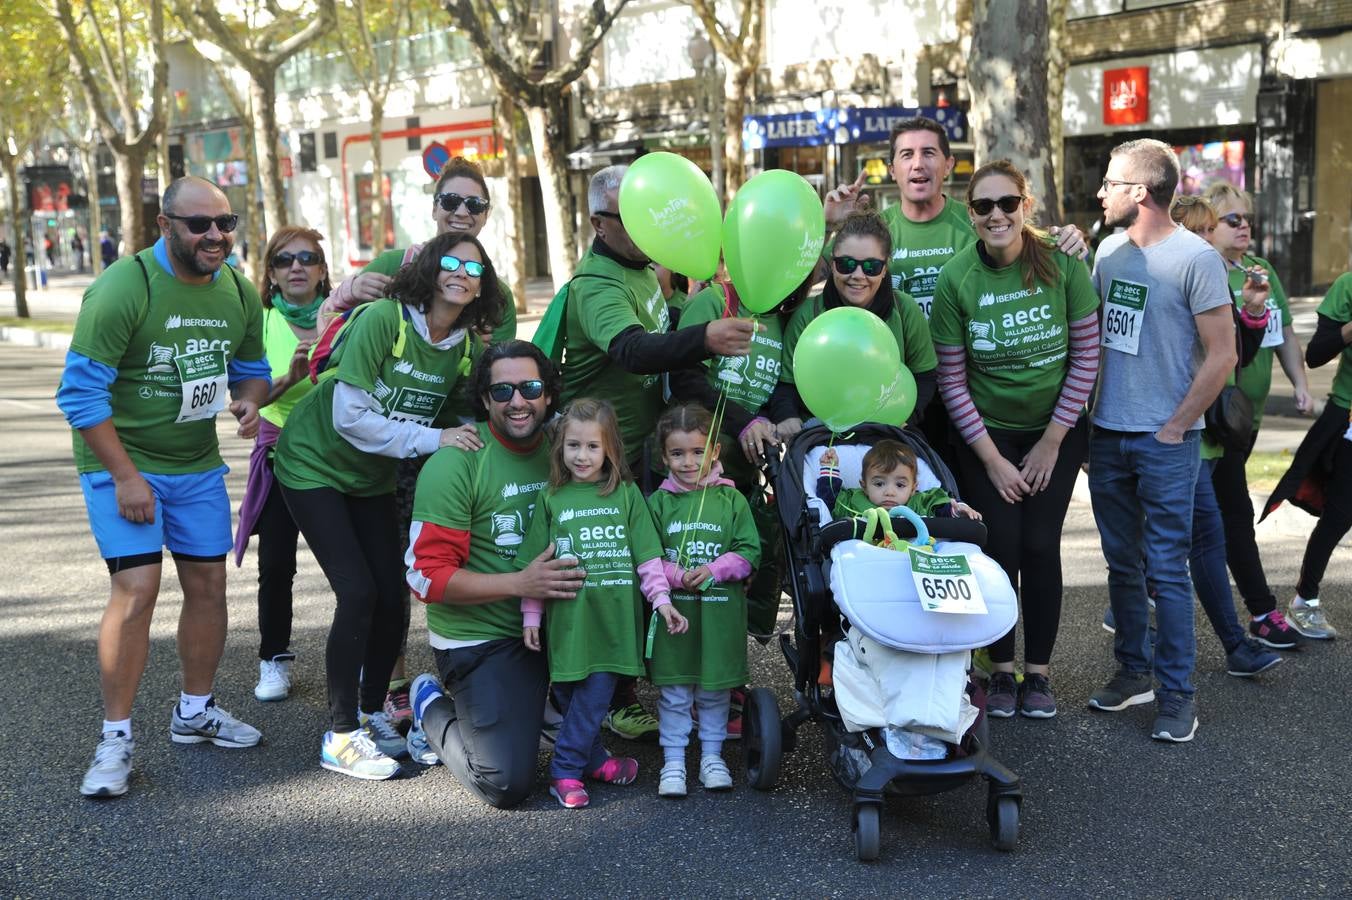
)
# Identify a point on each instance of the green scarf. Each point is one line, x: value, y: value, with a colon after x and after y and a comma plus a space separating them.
x: 299, y: 316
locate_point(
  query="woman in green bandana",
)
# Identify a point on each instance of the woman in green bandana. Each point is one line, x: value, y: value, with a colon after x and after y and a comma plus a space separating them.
x: 295, y: 283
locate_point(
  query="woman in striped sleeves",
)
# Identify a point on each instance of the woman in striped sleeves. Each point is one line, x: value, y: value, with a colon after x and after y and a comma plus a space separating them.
x: 1015, y: 326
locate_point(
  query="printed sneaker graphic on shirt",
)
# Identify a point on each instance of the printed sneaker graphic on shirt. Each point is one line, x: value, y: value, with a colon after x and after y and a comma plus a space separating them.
x: 383, y: 391
x: 673, y: 555
x: 160, y: 359
x: 563, y: 547
x: 730, y: 368
x: 507, y: 530
x: 981, y: 335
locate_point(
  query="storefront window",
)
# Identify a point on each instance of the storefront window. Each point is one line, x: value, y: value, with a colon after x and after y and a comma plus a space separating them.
x: 1332, y: 182
x: 1201, y: 165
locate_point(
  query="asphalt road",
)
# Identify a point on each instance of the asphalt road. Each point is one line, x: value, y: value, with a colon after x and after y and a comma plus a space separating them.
x: 1257, y: 805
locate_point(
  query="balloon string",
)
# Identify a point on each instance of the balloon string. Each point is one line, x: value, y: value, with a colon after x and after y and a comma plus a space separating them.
x: 682, y: 558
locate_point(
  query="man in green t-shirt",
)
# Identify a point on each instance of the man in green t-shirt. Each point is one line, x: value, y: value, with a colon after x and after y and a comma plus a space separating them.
x: 470, y: 514
x: 166, y: 339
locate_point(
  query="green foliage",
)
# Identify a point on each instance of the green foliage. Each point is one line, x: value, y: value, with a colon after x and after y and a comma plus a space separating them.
x: 32, y: 76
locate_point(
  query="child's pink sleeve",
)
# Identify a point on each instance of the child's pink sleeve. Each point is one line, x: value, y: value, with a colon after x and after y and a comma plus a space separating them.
x: 730, y: 567
x: 532, y: 611
x: 652, y: 581
x: 674, y: 574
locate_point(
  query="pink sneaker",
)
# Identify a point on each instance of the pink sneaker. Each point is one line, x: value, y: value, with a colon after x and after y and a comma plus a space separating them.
x: 616, y: 770
x: 570, y: 793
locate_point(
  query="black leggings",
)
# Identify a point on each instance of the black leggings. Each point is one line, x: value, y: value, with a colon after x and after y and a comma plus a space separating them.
x: 1333, y: 524
x: 277, y: 534
x: 357, y: 545
x: 1025, y: 537
x: 1241, y: 545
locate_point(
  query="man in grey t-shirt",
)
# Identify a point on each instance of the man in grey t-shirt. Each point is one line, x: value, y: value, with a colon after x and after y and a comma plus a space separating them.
x: 1169, y: 342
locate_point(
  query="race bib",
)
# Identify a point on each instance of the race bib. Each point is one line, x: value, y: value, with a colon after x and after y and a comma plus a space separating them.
x: 1123, y: 316
x: 945, y: 583
x: 203, y: 379
x: 1272, y: 335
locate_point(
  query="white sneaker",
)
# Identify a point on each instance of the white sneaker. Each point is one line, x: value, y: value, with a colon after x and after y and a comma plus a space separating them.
x: 213, y: 725
x: 1307, y: 618
x: 671, y: 782
x: 714, y: 774
x: 108, y: 774
x: 274, y: 678
x: 356, y: 754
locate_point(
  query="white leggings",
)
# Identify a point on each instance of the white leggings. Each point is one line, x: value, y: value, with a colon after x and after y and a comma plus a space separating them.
x: 673, y: 717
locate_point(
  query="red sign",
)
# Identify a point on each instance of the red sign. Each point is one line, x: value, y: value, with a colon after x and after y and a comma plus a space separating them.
x: 1126, y: 96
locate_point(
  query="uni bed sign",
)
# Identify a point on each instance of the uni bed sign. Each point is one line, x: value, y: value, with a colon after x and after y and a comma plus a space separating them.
x: 1126, y: 96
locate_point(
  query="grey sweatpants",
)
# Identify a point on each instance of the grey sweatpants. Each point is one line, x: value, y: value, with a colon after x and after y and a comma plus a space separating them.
x: 674, y: 722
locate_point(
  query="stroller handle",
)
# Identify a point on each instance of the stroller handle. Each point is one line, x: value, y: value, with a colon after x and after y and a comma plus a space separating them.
x: 971, y: 531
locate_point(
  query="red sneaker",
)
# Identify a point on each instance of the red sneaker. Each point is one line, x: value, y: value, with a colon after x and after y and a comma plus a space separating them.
x: 570, y: 793
x: 616, y: 770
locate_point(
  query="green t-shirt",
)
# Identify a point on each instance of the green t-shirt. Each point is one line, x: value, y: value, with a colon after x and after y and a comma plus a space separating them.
x: 1017, y: 340
x: 171, y: 351
x: 491, y: 494
x: 747, y: 380
x: 906, y: 322
x: 1255, y: 379
x: 1337, y: 305
x: 602, y: 628
x: 280, y: 341
x: 413, y: 387
x: 604, y: 299
x: 920, y: 249
x: 854, y: 502
x: 696, y: 528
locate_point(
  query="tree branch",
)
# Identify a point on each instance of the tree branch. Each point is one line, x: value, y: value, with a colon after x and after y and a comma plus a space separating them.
x: 598, y: 23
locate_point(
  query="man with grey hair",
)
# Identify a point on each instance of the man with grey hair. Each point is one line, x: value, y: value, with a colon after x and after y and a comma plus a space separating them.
x: 1169, y: 342
x: 617, y: 345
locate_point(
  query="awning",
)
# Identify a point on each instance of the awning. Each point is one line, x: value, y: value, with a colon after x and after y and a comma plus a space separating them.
x: 604, y: 153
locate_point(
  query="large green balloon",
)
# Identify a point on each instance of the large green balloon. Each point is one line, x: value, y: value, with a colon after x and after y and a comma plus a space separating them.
x: 846, y: 366
x: 772, y: 237
x: 900, y: 402
x: 672, y: 213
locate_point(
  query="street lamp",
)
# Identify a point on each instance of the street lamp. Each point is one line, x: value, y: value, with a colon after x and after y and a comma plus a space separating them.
x: 705, y: 61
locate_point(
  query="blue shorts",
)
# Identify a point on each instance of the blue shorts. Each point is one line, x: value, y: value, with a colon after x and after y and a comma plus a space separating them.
x: 192, y: 515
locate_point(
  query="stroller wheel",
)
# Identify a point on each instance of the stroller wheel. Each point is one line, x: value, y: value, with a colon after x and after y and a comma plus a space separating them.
x: 1004, y: 823
x: 867, y: 831
x: 762, y: 739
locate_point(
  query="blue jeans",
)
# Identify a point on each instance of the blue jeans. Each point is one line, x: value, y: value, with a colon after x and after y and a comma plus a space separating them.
x: 1142, y: 492
x: 1209, y: 574
x: 584, y: 705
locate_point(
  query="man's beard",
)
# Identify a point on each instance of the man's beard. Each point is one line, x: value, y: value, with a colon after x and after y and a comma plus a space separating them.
x: 1124, y: 220
x: 181, y: 253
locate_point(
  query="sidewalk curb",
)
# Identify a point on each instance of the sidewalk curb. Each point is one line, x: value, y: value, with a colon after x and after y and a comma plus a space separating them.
x: 30, y: 337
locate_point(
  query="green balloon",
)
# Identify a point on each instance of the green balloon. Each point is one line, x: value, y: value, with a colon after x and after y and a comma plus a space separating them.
x: 900, y: 402
x: 846, y: 366
x: 672, y: 213
x: 772, y: 237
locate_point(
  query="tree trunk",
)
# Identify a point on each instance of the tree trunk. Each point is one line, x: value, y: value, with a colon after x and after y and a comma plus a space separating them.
x: 129, y: 167
x: 1058, y: 62
x: 513, y: 267
x: 734, y: 111
x: 162, y: 163
x: 11, y: 167
x: 549, y: 155
x: 377, y: 177
x: 1007, y: 71
x: 89, y: 161
x: 263, y: 91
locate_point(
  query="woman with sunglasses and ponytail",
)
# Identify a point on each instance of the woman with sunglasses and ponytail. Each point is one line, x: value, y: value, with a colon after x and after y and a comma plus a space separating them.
x: 295, y: 283
x: 859, y: 278
x: 1016, y: 328
x: 388, y: 399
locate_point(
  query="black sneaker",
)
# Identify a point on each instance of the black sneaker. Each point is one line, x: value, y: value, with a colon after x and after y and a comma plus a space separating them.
x: 1001, y: 695
x: 1250, y: 658
x: 1036, y: 700
x: 1176, y: 720
x: 1274, y: 631
x: 1125, y: 689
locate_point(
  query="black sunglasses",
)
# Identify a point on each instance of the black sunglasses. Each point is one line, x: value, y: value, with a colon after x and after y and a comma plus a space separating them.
x: 202, y: 224
x: 1007, y: 204
x: 1234, y: 220
x: 453, y: 263
x: 846, y: 265
x: 503, y: 390
x: 306, y: 258
x: 451, y: 202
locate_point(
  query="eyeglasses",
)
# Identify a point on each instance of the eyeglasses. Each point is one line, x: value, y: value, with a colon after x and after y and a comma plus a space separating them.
x: 846, y: 265
x: 1110, y: 183
x: 984, y: 205
x: 306, y: 258
x: 1234, y: 220
x: 502, y: 391
x: 477, y: 206
x: 453, y: 263
x: 202, y: 224
x: 607, y: 214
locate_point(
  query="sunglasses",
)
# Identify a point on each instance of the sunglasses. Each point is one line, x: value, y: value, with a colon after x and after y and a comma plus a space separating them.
x: 453, y: 263
x: 1234, y: 220
x: 202, y: 224
x: 984, y: 206
x: 846, y: 265
x: 477, y: 206
x: 306, y: 258
x: 529, y: 390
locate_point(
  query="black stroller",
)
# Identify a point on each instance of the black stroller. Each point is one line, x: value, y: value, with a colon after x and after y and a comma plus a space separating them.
x: 861, y: 761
